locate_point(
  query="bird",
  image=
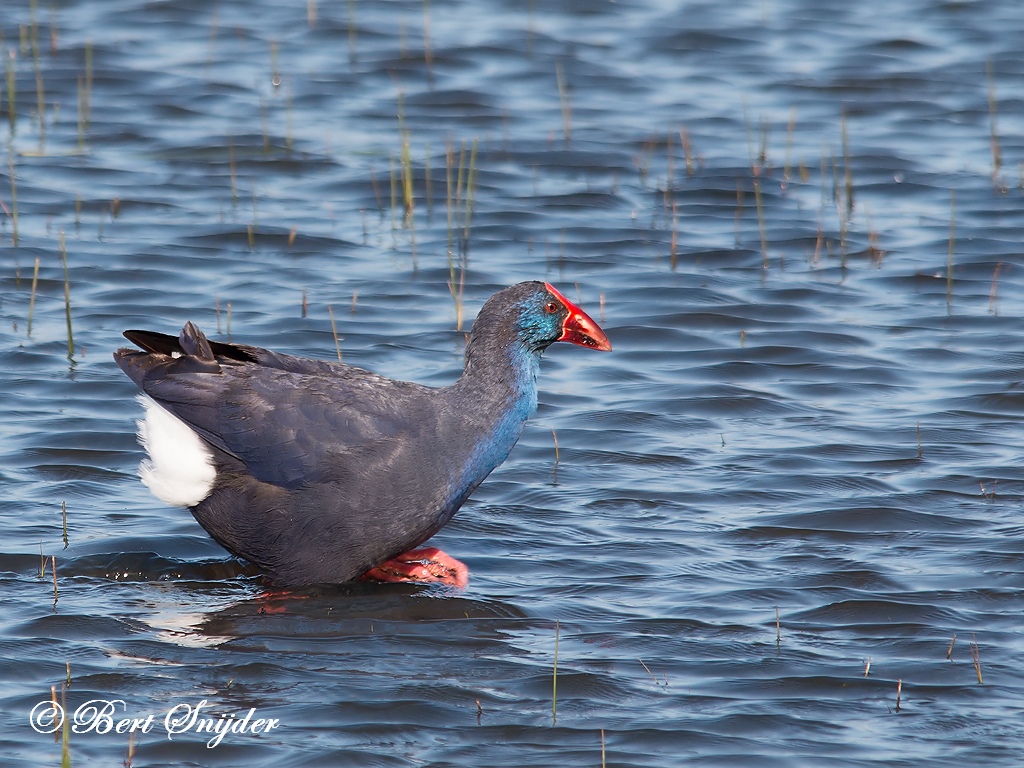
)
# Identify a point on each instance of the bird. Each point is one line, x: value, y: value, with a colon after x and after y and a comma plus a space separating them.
x: 320, y: 472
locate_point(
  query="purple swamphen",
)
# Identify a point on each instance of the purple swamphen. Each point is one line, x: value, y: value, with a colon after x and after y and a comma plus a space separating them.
x: 320, y: 472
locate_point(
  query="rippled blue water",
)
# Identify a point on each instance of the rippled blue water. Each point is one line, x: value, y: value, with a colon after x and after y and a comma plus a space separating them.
x: 788, y: 215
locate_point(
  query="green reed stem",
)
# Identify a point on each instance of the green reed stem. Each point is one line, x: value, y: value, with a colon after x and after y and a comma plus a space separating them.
x: 407, y: 192
x: 67, y: 296
x: 65, y: 739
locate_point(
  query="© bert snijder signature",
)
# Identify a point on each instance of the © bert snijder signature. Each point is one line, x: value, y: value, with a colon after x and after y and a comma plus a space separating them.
x: 104, y: 716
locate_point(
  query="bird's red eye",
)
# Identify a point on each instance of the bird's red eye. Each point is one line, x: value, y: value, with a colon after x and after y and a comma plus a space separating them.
x: 551, y: 307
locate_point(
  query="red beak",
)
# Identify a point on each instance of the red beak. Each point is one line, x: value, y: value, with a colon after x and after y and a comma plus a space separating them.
x: 579, y: 327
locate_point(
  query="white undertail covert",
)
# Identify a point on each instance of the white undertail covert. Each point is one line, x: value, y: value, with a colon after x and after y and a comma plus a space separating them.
x: 180, y: 468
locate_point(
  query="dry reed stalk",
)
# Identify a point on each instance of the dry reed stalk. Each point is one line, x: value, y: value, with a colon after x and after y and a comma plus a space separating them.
x: 992, y: 291
x: 684, y: 140
x: 470, y: 192
x: 563, y: 100
x: 949, y: 651
x: 976, y: 657
x: 760, y: 223
x: 334, y: 330
x: 32, y: 295
x: 131, y: 742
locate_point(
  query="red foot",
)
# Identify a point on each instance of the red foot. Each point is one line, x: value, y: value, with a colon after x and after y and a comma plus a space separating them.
x: 424, y: 566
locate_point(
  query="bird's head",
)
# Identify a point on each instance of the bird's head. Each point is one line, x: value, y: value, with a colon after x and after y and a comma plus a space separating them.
x: 546, y: 316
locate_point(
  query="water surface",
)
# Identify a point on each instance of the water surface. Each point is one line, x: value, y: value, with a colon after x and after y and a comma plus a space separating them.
x: 788, y: 216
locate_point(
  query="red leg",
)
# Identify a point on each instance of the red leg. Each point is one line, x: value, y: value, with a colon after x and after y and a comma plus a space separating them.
x: 424, y: 566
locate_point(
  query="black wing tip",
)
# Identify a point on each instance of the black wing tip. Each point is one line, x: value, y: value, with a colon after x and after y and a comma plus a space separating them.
x: 151, y: 341
x: 190, y: 342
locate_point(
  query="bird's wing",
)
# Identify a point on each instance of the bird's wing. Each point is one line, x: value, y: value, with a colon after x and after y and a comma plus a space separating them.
x: 290, y: 428
x: 289, y: 420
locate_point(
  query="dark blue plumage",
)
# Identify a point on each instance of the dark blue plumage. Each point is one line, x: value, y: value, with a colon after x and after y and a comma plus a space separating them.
x: 324, y: 471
